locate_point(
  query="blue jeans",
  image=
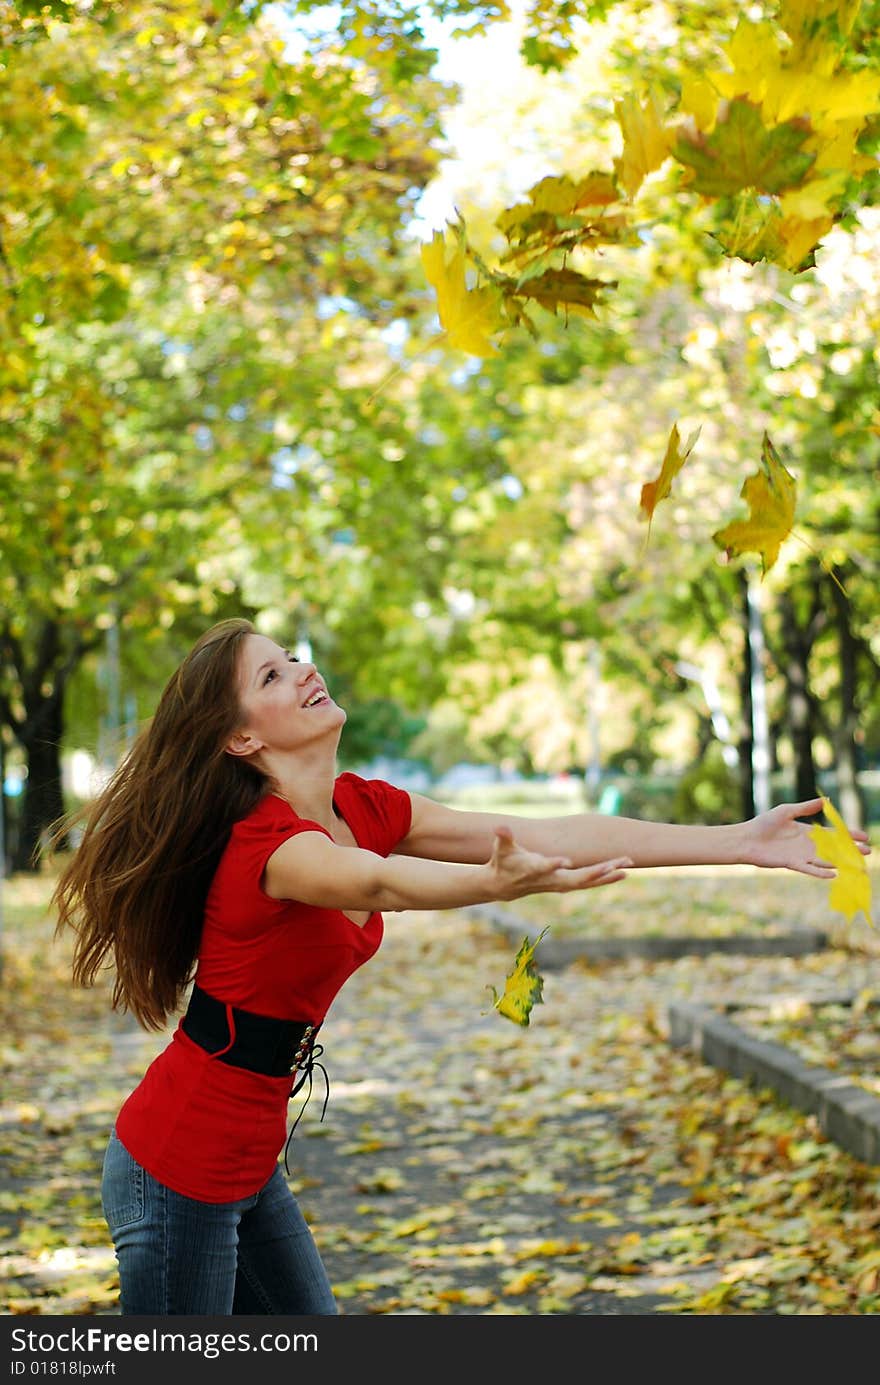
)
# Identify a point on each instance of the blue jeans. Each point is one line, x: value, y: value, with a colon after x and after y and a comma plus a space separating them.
x: 178, y: 1255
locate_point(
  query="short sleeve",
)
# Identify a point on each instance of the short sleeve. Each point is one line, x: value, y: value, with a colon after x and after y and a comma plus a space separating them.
x: 379, y: 813
x: 254, y: 839
x: 257, y: 837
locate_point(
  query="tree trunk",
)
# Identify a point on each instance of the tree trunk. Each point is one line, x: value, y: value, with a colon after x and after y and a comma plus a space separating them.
x: 851, y: 802
x: 43, y: 802
x: 745, y: 740
x: 797, y: 644
x: 37, y: 669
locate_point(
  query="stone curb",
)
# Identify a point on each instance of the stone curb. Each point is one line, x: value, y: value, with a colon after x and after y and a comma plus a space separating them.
x: 847, y: 1114
x: 560, y: 952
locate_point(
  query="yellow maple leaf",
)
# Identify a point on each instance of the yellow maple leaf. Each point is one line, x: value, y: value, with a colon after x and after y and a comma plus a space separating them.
x: 850, y: 890
x: 789, y: 92
x: 837, y: 149
x: 563, y: 194
x: 812, y: 200
x: 850, y: 96
x: 522, y: 1282
x: 752, y: 53
x: 700, y: 100
x: 646, y: 141
x: 800, y: 16
x: 524, y: 986
x: 770, y: 495
x: 467, y: 316
x: 676, y: 456
x: 797, y: 238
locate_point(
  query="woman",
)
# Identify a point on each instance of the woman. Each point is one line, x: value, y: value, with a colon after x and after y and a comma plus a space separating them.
x: 227, y: 854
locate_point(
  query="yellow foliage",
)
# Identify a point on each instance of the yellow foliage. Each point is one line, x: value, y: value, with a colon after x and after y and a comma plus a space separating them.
x: 770, y: 495
x: 524, y: 986
x: 523, y: 1282
x: 646, y: 141
x: 700, y: 100
x: 676, y: 456
x: 467, y: 316
x: 850, y: 890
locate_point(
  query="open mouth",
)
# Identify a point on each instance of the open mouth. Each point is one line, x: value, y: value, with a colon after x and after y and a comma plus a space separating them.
x: 316, y: 699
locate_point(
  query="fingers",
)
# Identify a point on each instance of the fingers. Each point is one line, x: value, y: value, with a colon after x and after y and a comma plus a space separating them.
x: 506, y: 843
x: 606, y: 880
x: 809, y: 805
x: 604, y: 867
x: 603, y: 873
x: 619, y: 863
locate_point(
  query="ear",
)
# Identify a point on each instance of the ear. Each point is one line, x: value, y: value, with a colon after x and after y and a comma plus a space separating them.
x: 242, y: 743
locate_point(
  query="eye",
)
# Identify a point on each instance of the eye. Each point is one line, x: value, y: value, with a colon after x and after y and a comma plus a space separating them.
x: 293, y: 658
x: 271, y: 674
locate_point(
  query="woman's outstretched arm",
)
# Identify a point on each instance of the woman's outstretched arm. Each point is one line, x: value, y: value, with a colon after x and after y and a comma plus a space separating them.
x: 772, y: 839
x: 311, y: 868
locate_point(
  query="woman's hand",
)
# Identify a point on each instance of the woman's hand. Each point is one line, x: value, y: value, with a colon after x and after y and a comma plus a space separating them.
x: 776, y: 839
x: 515, y: 872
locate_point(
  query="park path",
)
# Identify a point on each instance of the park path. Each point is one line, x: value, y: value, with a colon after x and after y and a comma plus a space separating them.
x: 465, y: 1164
x: 469, y: 1165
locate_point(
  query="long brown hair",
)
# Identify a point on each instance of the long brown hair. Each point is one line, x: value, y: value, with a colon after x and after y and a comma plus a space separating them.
x: 134, y: 889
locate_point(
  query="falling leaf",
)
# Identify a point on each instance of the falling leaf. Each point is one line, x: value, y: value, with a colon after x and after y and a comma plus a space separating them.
x: 562, y: 196
x: 524, y: 986
x: 565, y: 290
x: 646, y: 141
x: 770, y: 496
x: 562, y: 215
x: 676, y: 456
x: 700, y: 100
x: 850, y: 890
x: 797, y: 238
x: 742, y: 153
x: 468, y: 316
x: 799, y: 16
x: 813, y: 200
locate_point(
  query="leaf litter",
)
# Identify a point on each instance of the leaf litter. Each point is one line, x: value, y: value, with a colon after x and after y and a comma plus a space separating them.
x: 580, y: 1165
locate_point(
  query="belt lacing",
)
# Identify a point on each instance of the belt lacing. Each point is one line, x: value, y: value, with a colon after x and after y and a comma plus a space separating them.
x: 306, y: 1060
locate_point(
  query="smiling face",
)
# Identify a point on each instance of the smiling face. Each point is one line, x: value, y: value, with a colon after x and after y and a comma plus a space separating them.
x: 284, y: 702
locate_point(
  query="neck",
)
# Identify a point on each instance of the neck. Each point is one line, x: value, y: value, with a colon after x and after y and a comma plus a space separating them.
x: 306, y: 783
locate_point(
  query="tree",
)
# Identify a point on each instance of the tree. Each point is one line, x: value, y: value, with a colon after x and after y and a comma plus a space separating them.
x: 184, y: 204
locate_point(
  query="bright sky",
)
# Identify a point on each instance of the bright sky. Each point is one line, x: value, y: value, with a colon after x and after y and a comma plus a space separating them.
x: 486, y: 68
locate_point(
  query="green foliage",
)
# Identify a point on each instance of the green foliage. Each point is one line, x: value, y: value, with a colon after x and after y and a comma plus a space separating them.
x: 376, y: 727
x: 193, y: 422
x: 742, y: 153
x: 708, y: 791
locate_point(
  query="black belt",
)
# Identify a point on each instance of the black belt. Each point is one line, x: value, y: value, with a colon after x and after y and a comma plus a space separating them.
x: 259, y: 1043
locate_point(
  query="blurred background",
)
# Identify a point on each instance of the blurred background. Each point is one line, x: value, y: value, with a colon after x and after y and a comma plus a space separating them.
x: 223, y: 392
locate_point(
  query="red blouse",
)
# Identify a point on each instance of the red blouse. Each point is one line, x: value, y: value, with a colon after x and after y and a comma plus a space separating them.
x: 207, y: 1129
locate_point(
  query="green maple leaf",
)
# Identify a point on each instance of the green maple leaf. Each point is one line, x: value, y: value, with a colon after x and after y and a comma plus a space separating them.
x: 741, y: 152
